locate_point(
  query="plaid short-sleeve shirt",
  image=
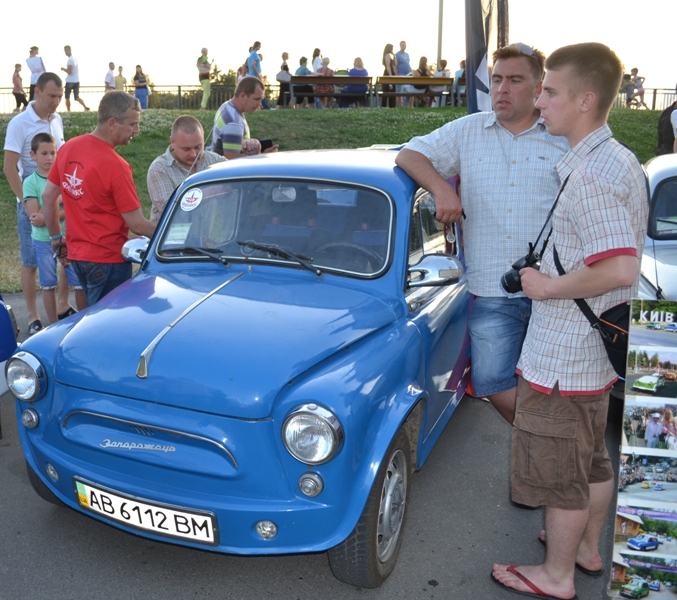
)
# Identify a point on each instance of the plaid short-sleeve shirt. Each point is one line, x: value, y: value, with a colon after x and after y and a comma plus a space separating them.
x: 602, y: 212
x: 508, y: 185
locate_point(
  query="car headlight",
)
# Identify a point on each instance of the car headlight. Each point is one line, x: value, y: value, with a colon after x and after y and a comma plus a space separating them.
x: 25, y: 377
x: 312, y: 434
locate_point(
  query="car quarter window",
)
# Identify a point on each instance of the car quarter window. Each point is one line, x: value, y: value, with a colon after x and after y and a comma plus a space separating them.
x: 665, y: 207
x: 426, y: 234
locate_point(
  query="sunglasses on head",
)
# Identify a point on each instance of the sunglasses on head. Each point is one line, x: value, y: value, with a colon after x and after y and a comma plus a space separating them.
x: 524, y: 49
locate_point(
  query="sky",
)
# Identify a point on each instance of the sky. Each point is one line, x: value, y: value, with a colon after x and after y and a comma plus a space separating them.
x: 167, y: 42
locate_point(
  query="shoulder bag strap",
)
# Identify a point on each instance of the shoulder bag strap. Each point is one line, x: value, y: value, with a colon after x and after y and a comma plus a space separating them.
x: 582, y: 304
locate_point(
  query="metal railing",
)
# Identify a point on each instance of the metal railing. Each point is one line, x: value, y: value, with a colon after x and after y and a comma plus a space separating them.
x: 170, y: 97
x: 188, y: 97
x: 654, y: 98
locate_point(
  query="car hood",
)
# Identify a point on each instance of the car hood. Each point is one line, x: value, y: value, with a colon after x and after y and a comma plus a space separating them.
x: 231, y: 354
x: 661, y: 257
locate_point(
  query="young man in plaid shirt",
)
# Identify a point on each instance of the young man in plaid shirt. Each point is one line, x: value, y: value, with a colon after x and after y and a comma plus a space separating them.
x: 559, y: 459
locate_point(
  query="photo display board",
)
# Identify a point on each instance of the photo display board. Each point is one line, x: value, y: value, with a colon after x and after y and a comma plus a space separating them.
x: 645, y: 534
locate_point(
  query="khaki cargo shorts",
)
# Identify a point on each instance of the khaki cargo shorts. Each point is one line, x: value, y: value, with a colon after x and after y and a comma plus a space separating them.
x: 558, y: 448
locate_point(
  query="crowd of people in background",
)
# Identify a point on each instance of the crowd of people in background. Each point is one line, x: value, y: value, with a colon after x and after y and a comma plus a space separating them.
x: 309, y: 96
x: 141, y: 86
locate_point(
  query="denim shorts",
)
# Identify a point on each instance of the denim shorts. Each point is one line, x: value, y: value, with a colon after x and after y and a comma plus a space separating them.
x: 47, y: 267
x: 75, y: 87
x: 497, y: 329
x: 23, y: 225
x: 558, y: 448
x: 98, y: 279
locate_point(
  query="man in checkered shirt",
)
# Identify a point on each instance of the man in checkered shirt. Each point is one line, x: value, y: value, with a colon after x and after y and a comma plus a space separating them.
x: 506, y: 160
x: 559, y: 459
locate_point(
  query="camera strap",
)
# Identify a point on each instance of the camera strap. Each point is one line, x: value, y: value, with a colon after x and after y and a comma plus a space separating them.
x: 533, y: 246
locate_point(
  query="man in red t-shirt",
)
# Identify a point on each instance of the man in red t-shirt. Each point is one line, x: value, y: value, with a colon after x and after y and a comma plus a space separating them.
x: 99, y: 198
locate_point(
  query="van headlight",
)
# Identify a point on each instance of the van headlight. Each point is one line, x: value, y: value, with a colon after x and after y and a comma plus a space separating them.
x: 312, y: 434
x: 26, y: 377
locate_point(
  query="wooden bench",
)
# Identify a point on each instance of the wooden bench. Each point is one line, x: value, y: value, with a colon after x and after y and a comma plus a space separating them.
x: 388, y: 80
x: 338, y: 81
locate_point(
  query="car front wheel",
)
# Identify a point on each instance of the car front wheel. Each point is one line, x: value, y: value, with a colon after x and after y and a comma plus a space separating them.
x: 368, y: 556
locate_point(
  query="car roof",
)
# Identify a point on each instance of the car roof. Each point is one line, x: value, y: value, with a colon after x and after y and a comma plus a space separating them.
x: 661, y: 167
x: 370, y: 167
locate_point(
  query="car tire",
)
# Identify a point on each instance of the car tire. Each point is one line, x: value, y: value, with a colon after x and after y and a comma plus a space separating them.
x: 40, y: 488
x: 368, y: 556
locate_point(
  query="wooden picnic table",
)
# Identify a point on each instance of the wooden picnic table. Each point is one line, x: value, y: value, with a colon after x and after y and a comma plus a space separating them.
x: 387, y: 80
x: 338, y: 81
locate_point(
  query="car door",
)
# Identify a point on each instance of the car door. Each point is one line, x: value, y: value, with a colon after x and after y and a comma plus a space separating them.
x: 439, y: 302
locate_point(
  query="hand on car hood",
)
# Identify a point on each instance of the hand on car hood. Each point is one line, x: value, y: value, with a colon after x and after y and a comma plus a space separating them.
x: 230, y: 355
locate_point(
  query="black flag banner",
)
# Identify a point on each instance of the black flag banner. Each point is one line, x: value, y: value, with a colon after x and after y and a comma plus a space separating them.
x: 486, y: 29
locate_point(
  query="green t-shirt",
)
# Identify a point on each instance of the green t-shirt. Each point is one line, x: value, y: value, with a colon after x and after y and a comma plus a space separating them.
x: 33, y: 187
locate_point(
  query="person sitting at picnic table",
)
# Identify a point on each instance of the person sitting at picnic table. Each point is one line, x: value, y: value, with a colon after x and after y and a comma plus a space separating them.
x: 304, y: 91
x: 283, y: 78
x: 422, y: 71
x: 359, y: 89
x: 440, y: 100
x: 324, y: 88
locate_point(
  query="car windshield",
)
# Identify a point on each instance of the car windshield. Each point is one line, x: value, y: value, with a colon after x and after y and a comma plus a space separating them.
x: 333, y: 227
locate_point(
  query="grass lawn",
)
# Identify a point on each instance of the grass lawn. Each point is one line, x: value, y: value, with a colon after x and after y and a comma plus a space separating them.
x: 293, y: 130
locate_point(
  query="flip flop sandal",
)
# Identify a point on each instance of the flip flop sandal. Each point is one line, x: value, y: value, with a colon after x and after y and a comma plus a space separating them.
x: 68, y: 313
x: 538, y: 593
x: 34, y: 327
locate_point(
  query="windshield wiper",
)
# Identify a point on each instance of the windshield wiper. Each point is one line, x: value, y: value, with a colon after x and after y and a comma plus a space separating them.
x: 304, y: 261
x: 213, y: 253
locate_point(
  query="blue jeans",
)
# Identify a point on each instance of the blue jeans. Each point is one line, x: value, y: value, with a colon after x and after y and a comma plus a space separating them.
x: 98, y: 279
x: 23, y: 226
x: 47, y: 267
x: 497, y: 327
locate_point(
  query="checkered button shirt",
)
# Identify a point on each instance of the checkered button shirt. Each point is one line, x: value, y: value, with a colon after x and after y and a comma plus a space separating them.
x: 166, y: 174
x: 602, y: 212
x: 508, y: 185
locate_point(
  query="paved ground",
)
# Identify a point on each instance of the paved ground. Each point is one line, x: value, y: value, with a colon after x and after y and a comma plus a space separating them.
x: 459, y: 522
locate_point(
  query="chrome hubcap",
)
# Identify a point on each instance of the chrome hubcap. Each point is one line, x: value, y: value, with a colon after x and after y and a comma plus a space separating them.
x: 392, y: 505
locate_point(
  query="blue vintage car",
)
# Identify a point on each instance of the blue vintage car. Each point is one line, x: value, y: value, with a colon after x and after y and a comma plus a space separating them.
x: 643, y: 541
x: 291, y: 349
x: 8, y: 333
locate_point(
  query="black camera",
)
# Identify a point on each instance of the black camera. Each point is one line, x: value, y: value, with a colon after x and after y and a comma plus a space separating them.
x: 511, y: 280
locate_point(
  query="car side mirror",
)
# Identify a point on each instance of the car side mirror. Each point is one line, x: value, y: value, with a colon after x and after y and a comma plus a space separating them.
x: 135, y: 249
x: 435, y: 270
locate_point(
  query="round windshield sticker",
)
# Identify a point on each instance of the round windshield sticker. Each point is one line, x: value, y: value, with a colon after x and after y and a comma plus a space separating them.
x: 191, y: 200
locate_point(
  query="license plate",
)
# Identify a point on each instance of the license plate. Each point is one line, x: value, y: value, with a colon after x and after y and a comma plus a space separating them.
x: 169, y: 521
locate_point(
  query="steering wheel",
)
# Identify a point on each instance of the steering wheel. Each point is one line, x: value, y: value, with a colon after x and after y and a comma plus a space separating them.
x: 373, y: 258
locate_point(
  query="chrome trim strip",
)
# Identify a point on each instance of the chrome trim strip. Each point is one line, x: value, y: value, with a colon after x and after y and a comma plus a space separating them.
x: 144, y: 359
x: 155, y: 427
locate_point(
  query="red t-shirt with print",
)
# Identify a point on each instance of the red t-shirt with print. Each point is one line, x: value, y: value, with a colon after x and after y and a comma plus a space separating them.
x: 97, y: 187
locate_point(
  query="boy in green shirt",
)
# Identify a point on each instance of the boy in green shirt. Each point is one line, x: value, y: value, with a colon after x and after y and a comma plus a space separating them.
x: 43, y: 152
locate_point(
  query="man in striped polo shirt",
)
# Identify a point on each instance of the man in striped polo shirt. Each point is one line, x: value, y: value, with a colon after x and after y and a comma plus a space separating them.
x: 231, y: 132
